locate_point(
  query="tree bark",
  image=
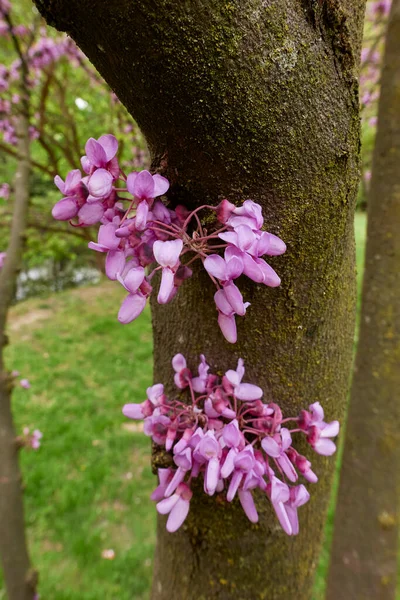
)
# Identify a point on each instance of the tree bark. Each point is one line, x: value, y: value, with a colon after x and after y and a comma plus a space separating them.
x: 364, y: 561
x: 247, y: 99
x: 20, y: 579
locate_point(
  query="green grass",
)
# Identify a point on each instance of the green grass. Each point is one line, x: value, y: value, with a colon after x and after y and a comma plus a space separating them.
x: 88, y: 486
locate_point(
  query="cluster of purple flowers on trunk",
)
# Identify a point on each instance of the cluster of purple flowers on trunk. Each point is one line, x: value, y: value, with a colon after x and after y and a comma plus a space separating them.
x: 137, y: 230
x: 231, y: 439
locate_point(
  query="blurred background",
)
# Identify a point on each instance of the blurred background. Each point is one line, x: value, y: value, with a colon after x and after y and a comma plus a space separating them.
x: 91, y: 524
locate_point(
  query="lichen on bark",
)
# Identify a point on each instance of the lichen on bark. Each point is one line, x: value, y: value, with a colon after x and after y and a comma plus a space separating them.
x: 247, y: 99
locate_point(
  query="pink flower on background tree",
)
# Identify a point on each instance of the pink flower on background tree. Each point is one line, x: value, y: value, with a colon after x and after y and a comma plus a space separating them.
x: 31, y: 440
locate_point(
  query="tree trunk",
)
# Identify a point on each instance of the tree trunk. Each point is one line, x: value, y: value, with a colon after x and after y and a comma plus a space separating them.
x: 20, y: 579
x: 247, y: 99
x: 364, y: 556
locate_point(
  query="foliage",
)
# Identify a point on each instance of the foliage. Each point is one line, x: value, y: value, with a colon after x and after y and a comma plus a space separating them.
x: 371, y: 63
x: 68, y: 101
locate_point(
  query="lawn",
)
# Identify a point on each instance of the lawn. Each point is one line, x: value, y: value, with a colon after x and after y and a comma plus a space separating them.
x: 87, y: 488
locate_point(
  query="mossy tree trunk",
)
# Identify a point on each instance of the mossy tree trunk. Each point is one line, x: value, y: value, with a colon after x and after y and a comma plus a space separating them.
x: 247, y: 99
x: 364, y: 561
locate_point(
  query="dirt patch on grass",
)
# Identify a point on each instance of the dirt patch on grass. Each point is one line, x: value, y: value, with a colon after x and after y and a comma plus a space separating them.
x: 29, y: 313
x: 18, y: 322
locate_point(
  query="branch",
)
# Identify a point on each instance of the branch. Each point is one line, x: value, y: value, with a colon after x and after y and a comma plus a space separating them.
x: 34, y: 163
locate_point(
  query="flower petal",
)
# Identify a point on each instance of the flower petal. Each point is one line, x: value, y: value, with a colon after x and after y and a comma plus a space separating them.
x: 167, y: 253
x: 100, y: 183
x: 222, y: 303
x: 166, y: 286
x: 72, y: 180
x: 325, y: 447
x: 178, y: 515
x: 142, y: 212
x: 179, y: 363
x: 227, y: 325
x: 161, y: 185
x: 107, y: 237
x: 248, y: 392
x: 115, y: 262
x: 133, y: 411
x: 330, y: 429
x: 166, y: 505
x: 270, y: 278
x: 131, y: 308
x: 143, y: 187
x: 271, y: 447
x: 110, y: 145
x: 283, y: 517
x: 235, y: 298
x: 247, y: 502
x: 95, y: 153
x: 215, y: 266
x: 212, y: 476
x: 134, y: 279
x: 59, y: 183
x: 65, y: 209
x: 90, y: 214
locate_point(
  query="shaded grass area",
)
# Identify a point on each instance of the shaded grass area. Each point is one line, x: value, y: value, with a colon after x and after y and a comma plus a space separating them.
x: 88, y: 486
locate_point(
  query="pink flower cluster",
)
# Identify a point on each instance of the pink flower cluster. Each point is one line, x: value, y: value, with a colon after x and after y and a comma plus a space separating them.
x: 37, y: 56
x: 4, y: 191
x: 32, y: 440
x: 233, y: 440
x: 146, y: 231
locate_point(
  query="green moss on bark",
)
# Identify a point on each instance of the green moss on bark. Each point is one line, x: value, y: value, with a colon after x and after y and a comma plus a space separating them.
x: 247, y: 99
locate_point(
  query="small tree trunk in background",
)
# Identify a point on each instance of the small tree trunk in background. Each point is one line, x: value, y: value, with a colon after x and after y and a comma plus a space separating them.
x: 20, y: 579
x: 364, y: 561
x: 247, y: 99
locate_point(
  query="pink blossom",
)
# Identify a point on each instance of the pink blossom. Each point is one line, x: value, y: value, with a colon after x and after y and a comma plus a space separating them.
x: 4, y: 6
x: 36, y: 437
x: 199, y: 383
x: 145, y: 186
x: 4, y: 191
x: 167, y: 256
x: 100, y: 184
x: 318, y: 431
x: 182, y: 373
x: 99, y: 153
x: 177, y: 506
x: 144, y: 230
x: 213, y: 436
x: 132, y: 307
x: 25, y: 383
x: 32, y: 439
x: 249, y: 214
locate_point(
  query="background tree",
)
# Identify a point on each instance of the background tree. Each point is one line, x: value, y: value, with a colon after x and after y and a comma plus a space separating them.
x: 20, y: 579
x: 364, y: 560
x: 371, y: 64
x: 247, y: 99
x: 35, y: 108
x: 68, y: 103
